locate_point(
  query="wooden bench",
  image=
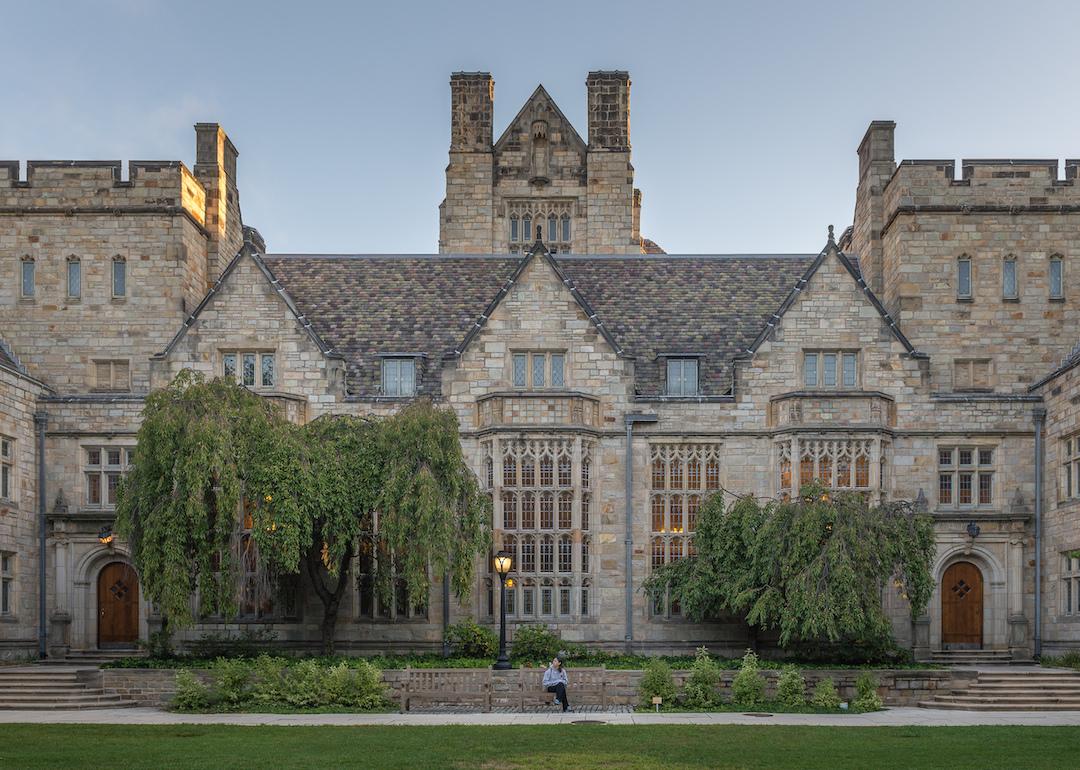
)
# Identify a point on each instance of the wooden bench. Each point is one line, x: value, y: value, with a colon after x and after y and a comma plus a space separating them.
x: 454, y: 686
x: 587, y: 687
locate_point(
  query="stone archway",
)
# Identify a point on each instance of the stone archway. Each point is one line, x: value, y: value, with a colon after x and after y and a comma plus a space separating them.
x: 988, y: 564
x: 962, y: 607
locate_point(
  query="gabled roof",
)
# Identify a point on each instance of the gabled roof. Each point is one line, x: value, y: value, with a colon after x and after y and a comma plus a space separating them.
x: 1070, y: 361
x: 853, y: 270
x: 572, y: 135
x: 11, y: 362
x: 648, y: 306
x: 250, y: 251
x: 538, y: 251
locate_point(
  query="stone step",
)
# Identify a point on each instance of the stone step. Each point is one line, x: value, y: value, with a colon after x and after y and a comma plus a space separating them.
x: 86, y: 696
x: 73, y: 676
x: 998, y: 707
x: 105, y: 702
x: 40, y: 688
x: 1019, y: 701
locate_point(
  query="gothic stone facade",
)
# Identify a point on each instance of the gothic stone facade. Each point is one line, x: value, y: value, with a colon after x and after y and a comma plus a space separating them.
x: 603, y: 388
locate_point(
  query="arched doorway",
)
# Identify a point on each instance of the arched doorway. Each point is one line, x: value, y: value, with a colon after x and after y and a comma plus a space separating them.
x: 962, y: 607
x: 118, y: 606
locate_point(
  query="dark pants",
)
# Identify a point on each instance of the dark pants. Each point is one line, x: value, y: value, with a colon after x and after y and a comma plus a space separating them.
x: 560, y: 693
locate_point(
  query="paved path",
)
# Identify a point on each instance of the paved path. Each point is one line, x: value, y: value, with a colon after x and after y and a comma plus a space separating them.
x: 893, y: 717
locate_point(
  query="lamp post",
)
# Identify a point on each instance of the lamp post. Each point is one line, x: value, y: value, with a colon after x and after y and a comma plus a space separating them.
x: 503, y: 564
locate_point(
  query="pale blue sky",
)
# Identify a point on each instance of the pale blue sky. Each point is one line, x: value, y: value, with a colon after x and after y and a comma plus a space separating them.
x: 745, y: 117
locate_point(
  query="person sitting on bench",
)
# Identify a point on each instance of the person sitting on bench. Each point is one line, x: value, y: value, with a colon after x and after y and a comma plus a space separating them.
x: 555, y: 681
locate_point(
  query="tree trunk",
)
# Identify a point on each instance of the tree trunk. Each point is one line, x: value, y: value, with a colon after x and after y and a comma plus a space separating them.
x: 331, y: 599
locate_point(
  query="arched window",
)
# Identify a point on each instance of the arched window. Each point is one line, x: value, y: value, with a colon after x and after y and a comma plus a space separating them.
x: 676, y: 473
x: 1009, y: 286
x: 585, y: 511
x: 566, y: 510
x: 552, y: 230
x: 489, y: 468
x: 547, y: 511
x: 658, y: 473
x: 528, y: 472
x: 527, y: 227
x: 514, y: 228
x: 658, y: 552
x: 27, y: 277
x: 693, y: 473
x: 585, y: 586
x: 658, y: 513
x: 510, y: 506
x: 509, y: 471
x: 74, y: 277
x: 566, y: 554
x: 528, y: 511
x: 119, y: 276
x: 566, y: 476
x: 693, y: 506
x: 565, y: 228
x: 547, y: 554
x: 585, y: 468
x: 509, y: 544
x: 963, y: 277
x: 584, y: 554
x: 675, y: 514
x: 1057, y: 277
x: 547, y: 471
x: 712, y: 474
x: 528, y: 554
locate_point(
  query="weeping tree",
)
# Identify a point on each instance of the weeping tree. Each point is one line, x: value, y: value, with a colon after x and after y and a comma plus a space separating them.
x: 206, y: 450
x: 222, y: 483
x: 813, y: 568
x: 432, y: 516
x: 345, y: 469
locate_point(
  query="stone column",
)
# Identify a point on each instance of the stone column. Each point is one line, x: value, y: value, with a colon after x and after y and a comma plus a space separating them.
x: 1018, y: 623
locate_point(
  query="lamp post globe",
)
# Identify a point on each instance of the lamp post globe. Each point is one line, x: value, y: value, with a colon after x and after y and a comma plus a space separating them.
x: 504, y: 562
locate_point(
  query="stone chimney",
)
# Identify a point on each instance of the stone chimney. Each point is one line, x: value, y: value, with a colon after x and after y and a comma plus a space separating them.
x: 215, y: 168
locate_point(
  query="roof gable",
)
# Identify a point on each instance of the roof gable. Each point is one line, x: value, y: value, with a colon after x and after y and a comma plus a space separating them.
x: 540, y: 106
x: 539, y: 251
x: 248, y: 251
x: 852, y: 269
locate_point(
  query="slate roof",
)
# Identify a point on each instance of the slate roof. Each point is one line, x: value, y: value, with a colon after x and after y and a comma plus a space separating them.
x: 7, y: 358
x: 368, y: 306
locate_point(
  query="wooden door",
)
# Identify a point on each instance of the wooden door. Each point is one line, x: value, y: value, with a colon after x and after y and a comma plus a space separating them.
x: 962, y: 607
x: 118, y: 606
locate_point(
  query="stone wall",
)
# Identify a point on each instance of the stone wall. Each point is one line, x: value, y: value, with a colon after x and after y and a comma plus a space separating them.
x: 904, y: 687
x: 18, y: 513
x: 1061, y: 513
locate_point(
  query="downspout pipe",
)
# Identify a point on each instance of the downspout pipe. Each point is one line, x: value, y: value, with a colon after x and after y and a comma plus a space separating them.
x: 1039, y: 416
x: 631, y: 420
x: 41, y: 419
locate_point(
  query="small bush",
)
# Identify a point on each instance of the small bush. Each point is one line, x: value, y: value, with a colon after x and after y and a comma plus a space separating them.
x: 268, y: 674
x: 791, y: 687
x: 246, y: 644
x: 825, y: 695
x: 469, y: 639
x: 700, y: 688
x: 191, y: 694
x: 305, y: 685
x: 358, y: 686
x: 232, y: 680
x: 866, y: 694
x: 748, y: 687
x: 657, y: 681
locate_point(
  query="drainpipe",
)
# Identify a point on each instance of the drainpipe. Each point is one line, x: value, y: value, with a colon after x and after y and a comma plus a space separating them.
x: 631, y: 419
x: 1039, y: 416
x: 40, y: 421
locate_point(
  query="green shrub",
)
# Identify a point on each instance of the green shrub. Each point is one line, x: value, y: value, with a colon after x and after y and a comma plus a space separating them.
x: 536, y: 644
x: 469, y: 639
x: 191, y: 694
x: 268, y: 674
x: 791, y: 687
x: 355, y: 686
x: 305, y: 685
x: 825, y: 695
x: 232, y: 679
x: 700, y: 688
x: 748, y: 687
x: 866, y: 694
x: 657, y: 681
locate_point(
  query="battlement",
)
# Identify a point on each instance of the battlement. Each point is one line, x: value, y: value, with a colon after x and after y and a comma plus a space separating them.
x: 98, y: 186
x: 992, y: 185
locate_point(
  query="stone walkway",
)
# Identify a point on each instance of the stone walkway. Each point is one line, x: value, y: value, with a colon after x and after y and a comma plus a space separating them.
x: 893, y: 717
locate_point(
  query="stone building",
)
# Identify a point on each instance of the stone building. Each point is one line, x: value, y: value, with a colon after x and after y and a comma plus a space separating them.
x: 604, y: 388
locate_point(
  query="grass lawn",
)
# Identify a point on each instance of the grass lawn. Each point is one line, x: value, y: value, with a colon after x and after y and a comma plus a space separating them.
x: 27, y: 746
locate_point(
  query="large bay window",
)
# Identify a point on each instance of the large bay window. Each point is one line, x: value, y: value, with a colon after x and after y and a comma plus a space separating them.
x: 835, y: 463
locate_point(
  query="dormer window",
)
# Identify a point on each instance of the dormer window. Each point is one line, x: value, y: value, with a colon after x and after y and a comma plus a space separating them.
x: 682, y: 377
x: 830, y: 369
x: 399, y: 377
x: 538, y: 369
x: 252, y: 369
